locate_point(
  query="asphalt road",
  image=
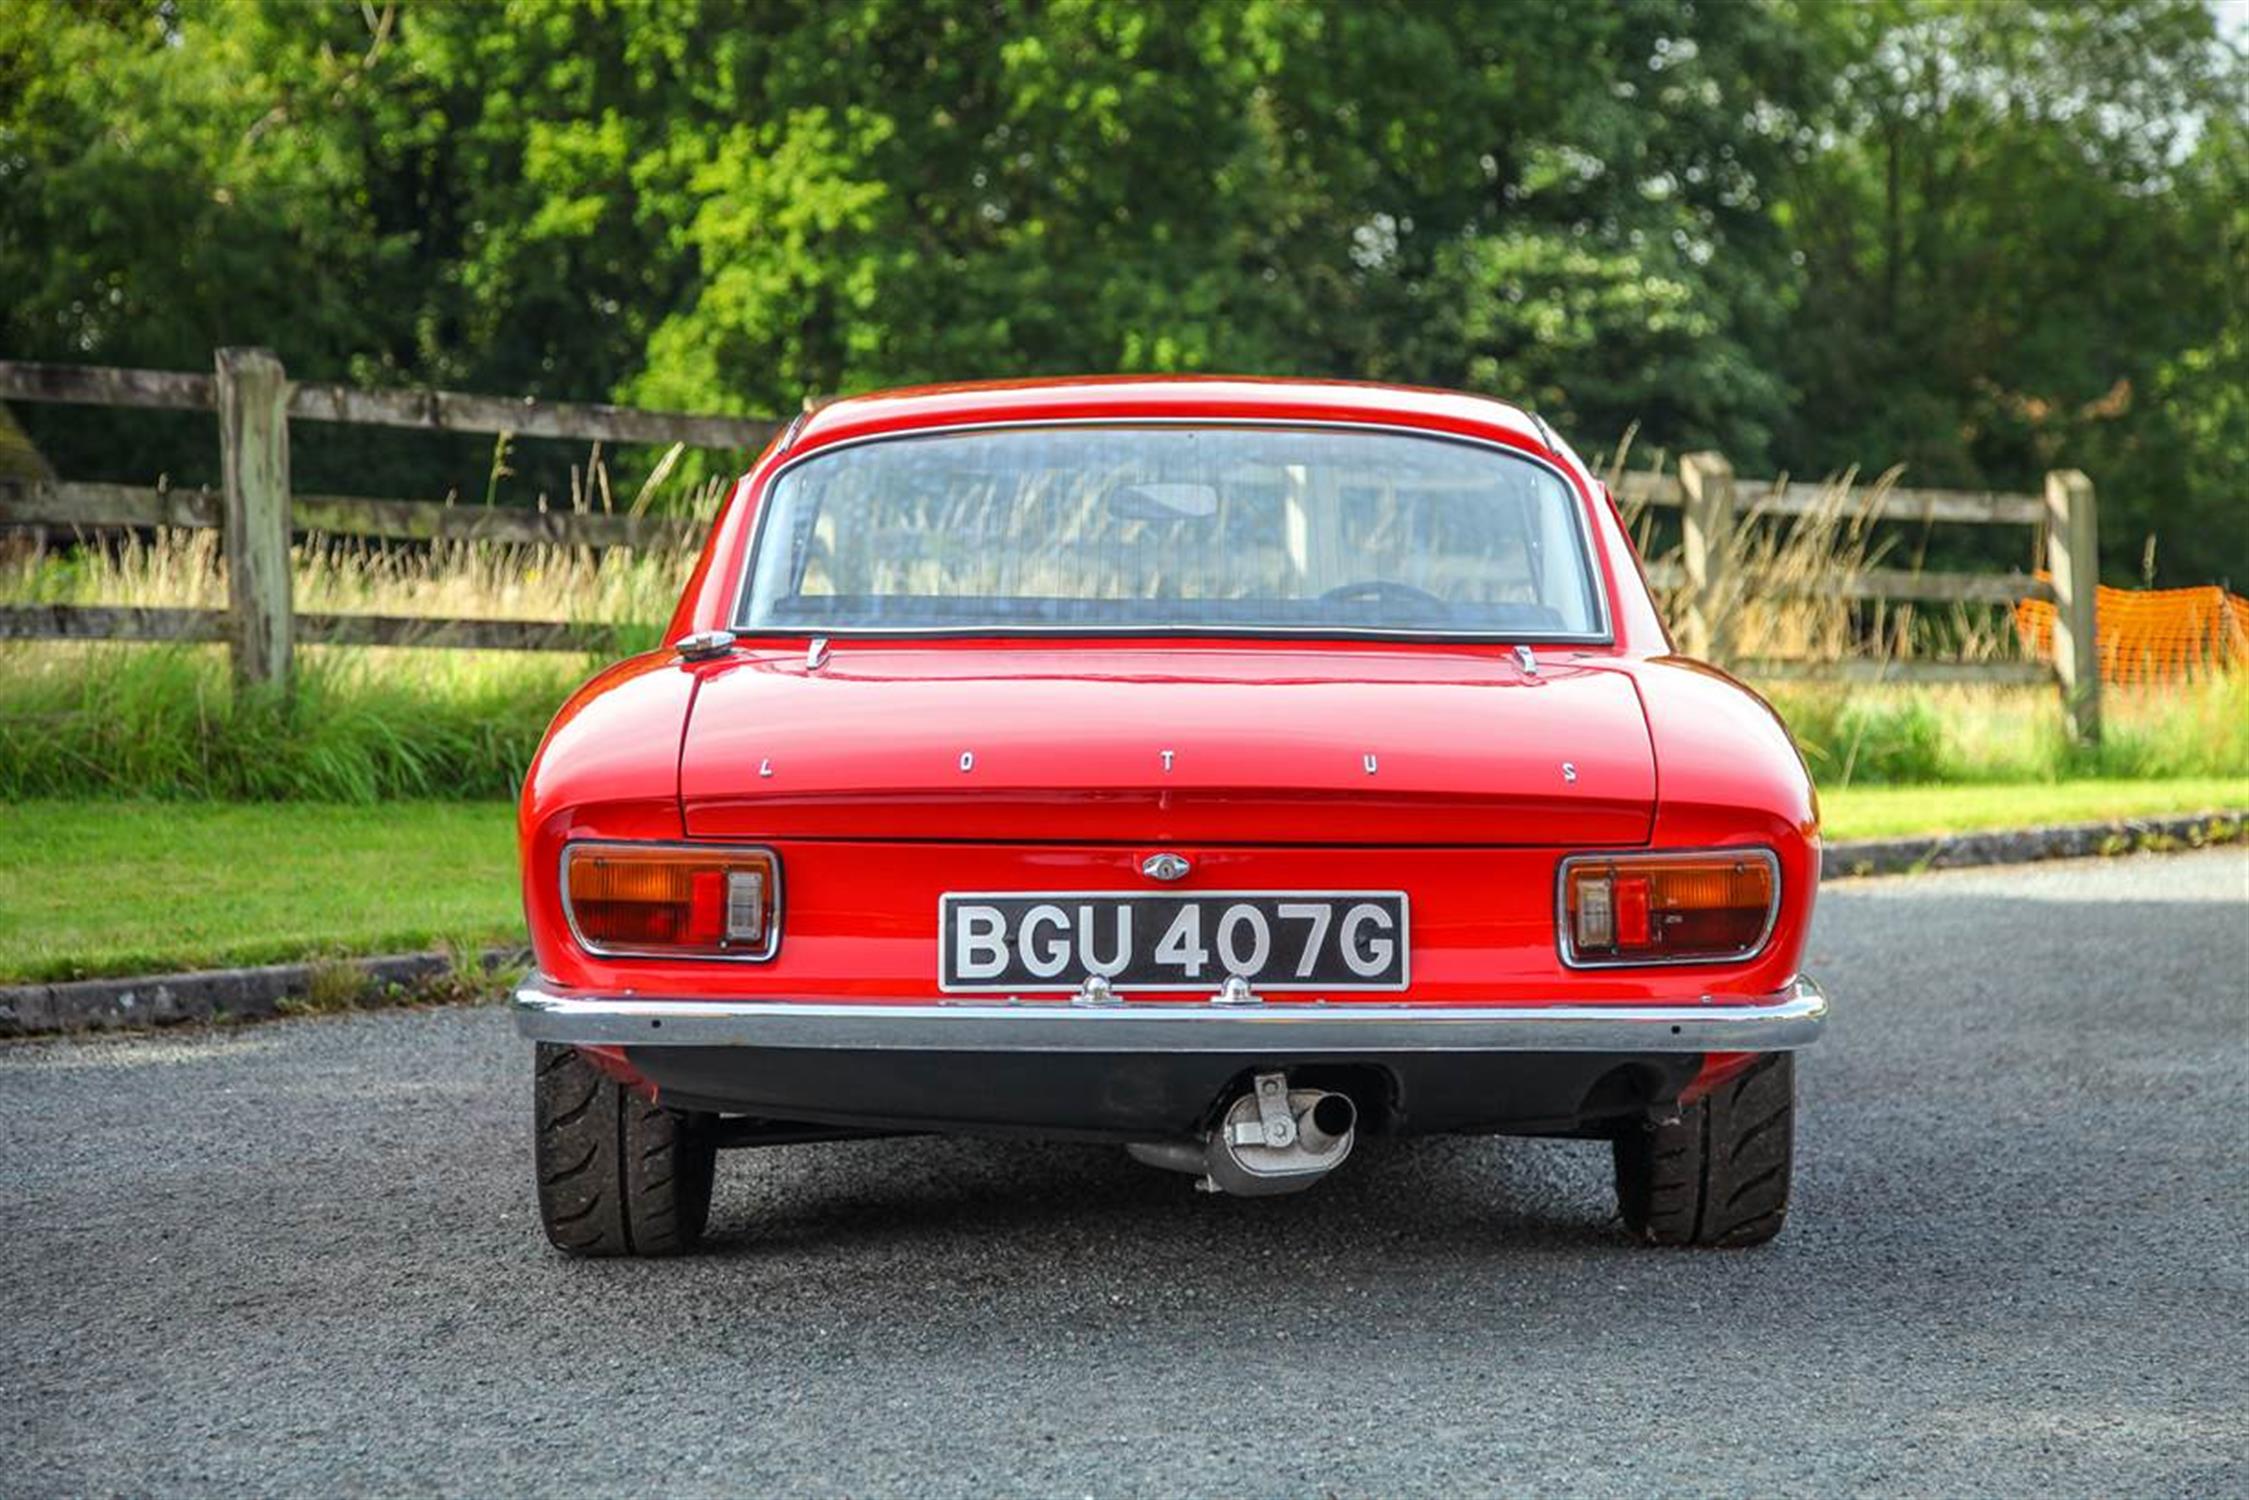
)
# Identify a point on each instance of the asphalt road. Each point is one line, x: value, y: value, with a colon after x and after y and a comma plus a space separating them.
x: 301, y: 1258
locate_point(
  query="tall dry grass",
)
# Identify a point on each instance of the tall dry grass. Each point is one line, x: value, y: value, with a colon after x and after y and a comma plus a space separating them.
x: 467, y: 579
x: 1792, y: 579
x: 1794, y: 584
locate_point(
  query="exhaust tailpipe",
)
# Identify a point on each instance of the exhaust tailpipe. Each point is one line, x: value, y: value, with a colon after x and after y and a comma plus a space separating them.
x: 1328, y: 1125
x: 1273, y: 1139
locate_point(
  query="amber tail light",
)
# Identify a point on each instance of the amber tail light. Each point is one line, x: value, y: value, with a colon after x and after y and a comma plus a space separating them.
x: 659, y: 900
x: 1667, y: 908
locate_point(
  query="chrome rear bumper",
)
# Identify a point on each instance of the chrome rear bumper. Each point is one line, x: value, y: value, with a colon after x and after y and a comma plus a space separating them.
x: 1790, y: 1019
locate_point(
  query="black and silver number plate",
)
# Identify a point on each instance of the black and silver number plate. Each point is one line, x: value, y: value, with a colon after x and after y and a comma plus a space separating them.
x: 1277, y: 940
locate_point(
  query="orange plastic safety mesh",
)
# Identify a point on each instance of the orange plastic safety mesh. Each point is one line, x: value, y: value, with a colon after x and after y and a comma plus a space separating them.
x: 2153, y: 635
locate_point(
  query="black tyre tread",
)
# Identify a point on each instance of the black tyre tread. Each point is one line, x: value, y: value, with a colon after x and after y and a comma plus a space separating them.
x: 617, y: 1175
x: 1719, y: 1174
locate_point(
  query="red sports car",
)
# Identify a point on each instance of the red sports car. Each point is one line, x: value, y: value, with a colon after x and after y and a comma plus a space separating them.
x: 1218, y: 768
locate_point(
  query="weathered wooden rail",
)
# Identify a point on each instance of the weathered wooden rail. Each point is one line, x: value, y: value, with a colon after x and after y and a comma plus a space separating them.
x: 59, y: 503
x: 256, y: 510
x: 434, y: 411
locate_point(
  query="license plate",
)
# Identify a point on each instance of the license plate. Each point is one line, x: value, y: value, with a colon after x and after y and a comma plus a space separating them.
x: 1276, y: 940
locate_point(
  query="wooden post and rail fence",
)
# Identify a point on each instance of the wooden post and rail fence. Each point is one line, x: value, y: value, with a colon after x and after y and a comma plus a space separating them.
x: 257, y: 511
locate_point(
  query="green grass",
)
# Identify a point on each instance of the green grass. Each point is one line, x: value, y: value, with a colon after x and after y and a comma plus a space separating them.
x: 1898, y: 736
x: 92, y: 888
x: 375, y: 725
x: 364, y: 725
x: 1895, y: 811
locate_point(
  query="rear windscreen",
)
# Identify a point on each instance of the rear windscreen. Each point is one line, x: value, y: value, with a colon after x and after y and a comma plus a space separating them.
x: 1187, y: 528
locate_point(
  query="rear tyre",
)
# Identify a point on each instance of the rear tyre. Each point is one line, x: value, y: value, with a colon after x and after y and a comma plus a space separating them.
x: 617, y: 1174
x: 1717, y: 1175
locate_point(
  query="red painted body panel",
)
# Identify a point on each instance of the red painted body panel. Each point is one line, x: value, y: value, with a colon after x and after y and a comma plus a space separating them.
x: 1195, y: 741
x: 1171, y: 398
x: 612, y: 753
x: 861, y: 920
x: 873, y: 818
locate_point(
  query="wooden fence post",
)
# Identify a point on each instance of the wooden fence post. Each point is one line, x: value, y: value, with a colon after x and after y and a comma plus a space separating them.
x: 253, y: 398
x: 1706, y: 547
x: 2073, y: 560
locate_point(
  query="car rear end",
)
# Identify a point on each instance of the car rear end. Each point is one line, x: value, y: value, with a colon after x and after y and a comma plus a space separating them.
x: 1221, y: 821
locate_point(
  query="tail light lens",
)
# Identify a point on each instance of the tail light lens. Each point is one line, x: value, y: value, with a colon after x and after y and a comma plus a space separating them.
x: 665, y: 901
x: 1667, y: 908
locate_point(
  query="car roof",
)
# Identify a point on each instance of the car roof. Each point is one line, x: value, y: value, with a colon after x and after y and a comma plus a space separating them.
x: 1167, y: 398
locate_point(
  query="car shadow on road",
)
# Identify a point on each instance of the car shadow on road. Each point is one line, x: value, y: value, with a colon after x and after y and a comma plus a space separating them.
x: 935, y: 1194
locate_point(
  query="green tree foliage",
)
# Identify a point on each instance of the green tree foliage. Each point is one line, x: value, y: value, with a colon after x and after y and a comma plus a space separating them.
x: 2024, y: 246
x: 1966, y: 237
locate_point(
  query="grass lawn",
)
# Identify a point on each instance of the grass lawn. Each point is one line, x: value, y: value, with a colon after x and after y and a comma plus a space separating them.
x: 92, y: 888
x: 1874, y: 812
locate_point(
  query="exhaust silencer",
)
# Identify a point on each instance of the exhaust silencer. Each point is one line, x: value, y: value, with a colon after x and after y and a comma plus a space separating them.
x: 1273, y: 1139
